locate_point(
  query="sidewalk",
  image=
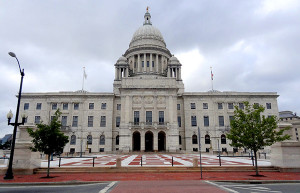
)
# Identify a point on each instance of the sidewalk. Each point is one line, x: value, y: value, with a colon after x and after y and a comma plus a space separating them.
x: 100, y: 177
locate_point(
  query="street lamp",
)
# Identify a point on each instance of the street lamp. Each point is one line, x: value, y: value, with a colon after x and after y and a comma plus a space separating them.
x: 9, y: 173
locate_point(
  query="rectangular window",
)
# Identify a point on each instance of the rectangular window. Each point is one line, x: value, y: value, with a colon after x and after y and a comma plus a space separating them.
x: 148, y: 117
x: 118, y: 107
x: 194, y: 121
x: 64, y: 121
x: 206, y: 121
x: 91, y: 105
x: 147, y: 63
x: 65, y: 106
x: 193, y: 106
x: 230, y: 105
x: 134, y: 64
x: 26, y: 106
x: 221, y: 121
x: 179, y: 121
x: 37, y: 119
x: 103, y: 106
x: 54, y: 106
x: 136, y: 117
x: 103, y: 121
x: 178, y: 106
x: 205, y: 105
x: 153, y: 64
x: 25, y: 120
x: 38, y: 106
x: 118, y: 120
x: 143, y: 64
x: 76, y: 106
x: 75, y: 121
x: 90, y: 121
x: 268, y: 105
x: 241, y: 105
x: 161, y: 117
x: 231, y: 118
x: 220, y: 105
x: 51, y: 118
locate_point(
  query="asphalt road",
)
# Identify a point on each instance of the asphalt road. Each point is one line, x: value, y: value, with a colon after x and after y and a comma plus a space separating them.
x: 88, y: 188
x: 259, y: 188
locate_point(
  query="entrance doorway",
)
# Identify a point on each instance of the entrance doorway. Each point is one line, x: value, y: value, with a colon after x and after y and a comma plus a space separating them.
x: 161, y: 141
x: 136, y: 141
x: 149, y: 141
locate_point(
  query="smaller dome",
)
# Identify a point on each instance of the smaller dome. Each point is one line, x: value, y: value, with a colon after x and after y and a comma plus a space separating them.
x: 122, y: 61
x: 173, y: 61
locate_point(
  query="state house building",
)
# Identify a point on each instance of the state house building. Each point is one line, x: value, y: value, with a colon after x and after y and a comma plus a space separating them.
x: 148, y: 109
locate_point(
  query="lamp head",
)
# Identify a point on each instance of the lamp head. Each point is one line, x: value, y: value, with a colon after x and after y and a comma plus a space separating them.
x: 24, y: 115
x: 12, y: 54
x: 9, y: 115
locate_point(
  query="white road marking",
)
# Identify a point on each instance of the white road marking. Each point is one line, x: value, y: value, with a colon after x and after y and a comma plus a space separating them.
x: 222, y: 187
x: 52, y: 186
x: 104, y: 190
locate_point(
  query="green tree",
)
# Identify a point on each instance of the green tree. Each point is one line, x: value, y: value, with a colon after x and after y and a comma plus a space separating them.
x: 48, y: 138
x: 251, y: 130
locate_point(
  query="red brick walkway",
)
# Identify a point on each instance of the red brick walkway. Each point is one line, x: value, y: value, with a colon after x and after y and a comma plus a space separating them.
x: 151, y: 176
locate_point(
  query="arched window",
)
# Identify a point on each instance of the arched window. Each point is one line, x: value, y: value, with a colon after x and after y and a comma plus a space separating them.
x: 179, y: 139
x: 207, y: 139
x: 73, y: 140
x: 89, y: 140
x: 194, y: 139
x: 102, y: 140
x: 117, y: 140
x: 223, y: 139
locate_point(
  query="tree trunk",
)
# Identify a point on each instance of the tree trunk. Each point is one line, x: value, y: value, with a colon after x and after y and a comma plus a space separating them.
x: 48, y: 170
x: 256, y: 168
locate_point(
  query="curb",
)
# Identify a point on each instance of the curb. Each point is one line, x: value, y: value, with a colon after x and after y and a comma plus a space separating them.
x: 73, y: 182
x: 257, y: 181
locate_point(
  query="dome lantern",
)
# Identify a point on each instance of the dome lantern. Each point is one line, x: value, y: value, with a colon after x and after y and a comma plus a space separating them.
x: 147, y: 17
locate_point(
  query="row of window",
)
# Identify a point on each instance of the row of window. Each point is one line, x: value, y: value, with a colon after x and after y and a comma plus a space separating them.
x: 136, y: 117
x: 205, y: 121
x: 220, y: 105
x: 89, y: 139
x: 148, y: 64
x: 207, y: 139
x: 65, y: 106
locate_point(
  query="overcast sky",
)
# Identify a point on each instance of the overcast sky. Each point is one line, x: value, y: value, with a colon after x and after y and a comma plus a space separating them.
x: 251, y: 45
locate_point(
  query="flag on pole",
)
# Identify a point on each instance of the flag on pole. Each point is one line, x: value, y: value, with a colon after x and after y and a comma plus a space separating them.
x: 212, y: 75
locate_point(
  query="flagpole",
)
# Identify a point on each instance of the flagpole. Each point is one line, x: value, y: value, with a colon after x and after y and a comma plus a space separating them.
x: 199, y: 141
x: 212, y: 78
x: 83, y: 77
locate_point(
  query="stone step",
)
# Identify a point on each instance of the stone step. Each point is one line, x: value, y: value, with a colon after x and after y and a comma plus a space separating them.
x: 152, y: 169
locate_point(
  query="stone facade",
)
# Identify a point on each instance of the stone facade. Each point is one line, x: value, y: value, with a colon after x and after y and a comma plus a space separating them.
x: 148, y: 109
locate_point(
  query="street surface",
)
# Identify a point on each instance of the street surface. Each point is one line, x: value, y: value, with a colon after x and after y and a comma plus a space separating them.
x: 172, y: 186
x: 259, y: 188
x: 86, y: 188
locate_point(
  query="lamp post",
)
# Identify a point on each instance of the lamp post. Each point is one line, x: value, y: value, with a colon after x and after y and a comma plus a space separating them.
x: 9, y: 173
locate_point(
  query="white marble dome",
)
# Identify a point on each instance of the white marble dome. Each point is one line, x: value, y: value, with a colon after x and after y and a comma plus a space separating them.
x: 174, y: 61
x: 147, y: 35
x: 122, y: 60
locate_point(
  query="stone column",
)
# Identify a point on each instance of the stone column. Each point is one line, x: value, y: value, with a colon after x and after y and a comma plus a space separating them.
x: 116, y: 73
x: 120, y: 73
x: 127, y: 72
x: 156, y: 63
x: 150, y: 63
x: 169, y: 72
x: 138, y: 63
x: 155, y: 141
x: 133, y: 61
x: 145, y: 62
x: 162, y: 64
x: 142, y: 140
x: 179, y: 73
